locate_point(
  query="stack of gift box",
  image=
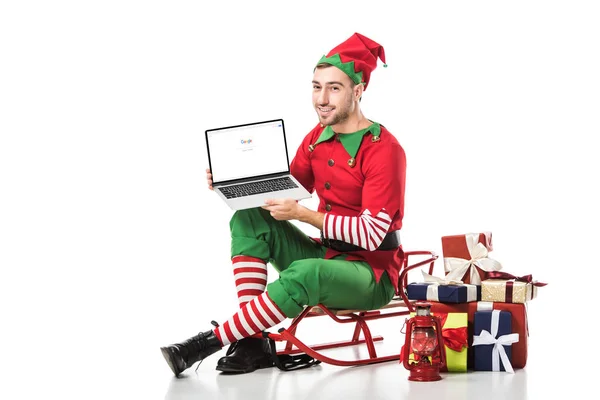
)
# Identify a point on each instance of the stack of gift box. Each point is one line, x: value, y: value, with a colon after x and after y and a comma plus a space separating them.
x: 483, y: 309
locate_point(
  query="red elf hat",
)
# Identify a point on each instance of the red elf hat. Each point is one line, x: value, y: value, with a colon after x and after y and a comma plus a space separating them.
x: 357, y: 57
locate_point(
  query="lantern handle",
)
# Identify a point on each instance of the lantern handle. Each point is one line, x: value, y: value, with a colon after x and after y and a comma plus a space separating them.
x: 403, y: 326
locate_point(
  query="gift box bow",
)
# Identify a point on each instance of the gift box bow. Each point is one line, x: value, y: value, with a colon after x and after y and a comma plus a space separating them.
x: 498, y: 352
x: 457, y: 268
x: 454, y: 338
x: 435, y: 282
x: 510, y: 277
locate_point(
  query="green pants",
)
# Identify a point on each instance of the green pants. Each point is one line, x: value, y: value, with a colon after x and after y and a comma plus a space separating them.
x: 305, y: 277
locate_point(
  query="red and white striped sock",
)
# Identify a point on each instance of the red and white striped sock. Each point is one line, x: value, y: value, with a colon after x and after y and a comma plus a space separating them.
x: 250, y: 276
x: 257, y: 315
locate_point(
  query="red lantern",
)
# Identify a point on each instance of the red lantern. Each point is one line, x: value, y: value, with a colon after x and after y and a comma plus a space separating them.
x: 424, y: 341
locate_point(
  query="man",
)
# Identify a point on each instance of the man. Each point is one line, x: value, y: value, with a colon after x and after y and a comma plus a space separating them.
x: 357, y: 168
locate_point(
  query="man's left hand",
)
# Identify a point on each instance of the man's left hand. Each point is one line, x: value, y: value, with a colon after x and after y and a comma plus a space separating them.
x: 283, y: 209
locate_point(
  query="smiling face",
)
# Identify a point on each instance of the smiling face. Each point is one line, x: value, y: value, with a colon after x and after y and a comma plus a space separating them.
x: 335, y: 96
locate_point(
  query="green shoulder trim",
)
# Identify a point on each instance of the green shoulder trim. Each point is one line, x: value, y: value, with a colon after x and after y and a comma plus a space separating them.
x: 375, y: 129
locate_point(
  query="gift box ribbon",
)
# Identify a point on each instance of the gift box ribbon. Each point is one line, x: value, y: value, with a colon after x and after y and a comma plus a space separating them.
x: 510, y: 282
x: 457, y: 268
x: 507, y: 276
x: 454, y: 338
x: 435, y: 282
x: 489, y: 306
x: 498, y: 352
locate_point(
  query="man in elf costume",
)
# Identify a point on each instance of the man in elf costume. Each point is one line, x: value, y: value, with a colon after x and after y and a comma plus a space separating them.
x: 357, y: 167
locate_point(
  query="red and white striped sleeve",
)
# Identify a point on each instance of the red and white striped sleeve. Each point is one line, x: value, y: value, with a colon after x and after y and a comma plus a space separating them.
x: 366, y: 230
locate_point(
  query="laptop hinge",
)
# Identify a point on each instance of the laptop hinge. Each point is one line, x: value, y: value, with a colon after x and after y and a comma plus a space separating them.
x: 253, y: 179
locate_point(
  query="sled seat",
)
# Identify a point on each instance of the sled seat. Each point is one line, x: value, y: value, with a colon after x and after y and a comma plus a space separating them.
x: 395, y: 302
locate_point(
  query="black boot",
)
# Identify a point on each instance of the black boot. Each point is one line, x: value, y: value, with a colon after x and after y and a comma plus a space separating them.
x: 246, y: 355
x: 183, y: 355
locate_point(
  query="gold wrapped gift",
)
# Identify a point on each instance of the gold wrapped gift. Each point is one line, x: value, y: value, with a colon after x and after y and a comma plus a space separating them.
x: 507, y: 291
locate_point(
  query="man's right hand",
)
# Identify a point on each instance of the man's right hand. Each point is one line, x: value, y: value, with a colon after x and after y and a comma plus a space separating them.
x: 209, y: 179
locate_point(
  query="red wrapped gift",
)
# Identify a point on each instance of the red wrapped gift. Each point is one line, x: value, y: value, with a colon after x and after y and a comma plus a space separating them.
x: 518, y: 313
x: 466, y: 257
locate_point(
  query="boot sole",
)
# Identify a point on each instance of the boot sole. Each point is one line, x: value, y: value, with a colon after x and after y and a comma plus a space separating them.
x: 251, y: 368
x: 168, y: 358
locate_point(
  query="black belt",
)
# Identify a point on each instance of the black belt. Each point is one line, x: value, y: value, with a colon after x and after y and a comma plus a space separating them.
x: 391, y: 241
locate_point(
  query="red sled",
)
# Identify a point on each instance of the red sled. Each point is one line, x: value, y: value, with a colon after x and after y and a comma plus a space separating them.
x: 296, y: 354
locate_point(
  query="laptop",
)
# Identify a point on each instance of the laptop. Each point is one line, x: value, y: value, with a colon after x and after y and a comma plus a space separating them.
x: 249, y: 163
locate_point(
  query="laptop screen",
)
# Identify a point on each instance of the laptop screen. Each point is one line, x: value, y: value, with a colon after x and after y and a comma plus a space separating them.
x: 247, y: 151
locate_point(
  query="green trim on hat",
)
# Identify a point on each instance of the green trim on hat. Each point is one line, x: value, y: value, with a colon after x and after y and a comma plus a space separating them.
x: 350, y: 141
x: 348, y: 67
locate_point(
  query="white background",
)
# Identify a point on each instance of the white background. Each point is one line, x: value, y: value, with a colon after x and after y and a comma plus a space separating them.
x: 110, y: 243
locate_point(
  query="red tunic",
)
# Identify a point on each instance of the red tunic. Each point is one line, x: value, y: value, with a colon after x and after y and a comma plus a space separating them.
x: 375, y: 182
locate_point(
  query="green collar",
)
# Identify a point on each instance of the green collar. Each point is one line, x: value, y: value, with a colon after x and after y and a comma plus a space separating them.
x: 350, y: 141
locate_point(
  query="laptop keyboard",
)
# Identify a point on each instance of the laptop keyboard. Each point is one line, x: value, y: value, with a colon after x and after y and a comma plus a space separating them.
x: 248, y: 189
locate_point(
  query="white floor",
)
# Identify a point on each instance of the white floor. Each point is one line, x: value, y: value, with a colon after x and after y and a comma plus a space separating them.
x: 382, y: 381
x: 116, y: 356
x: 553, y: 368
x: 545, y: 373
